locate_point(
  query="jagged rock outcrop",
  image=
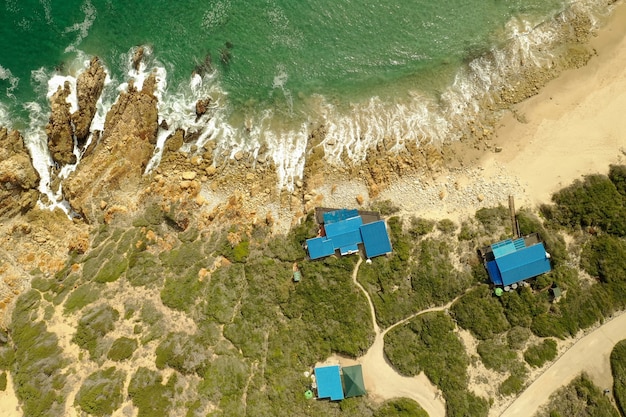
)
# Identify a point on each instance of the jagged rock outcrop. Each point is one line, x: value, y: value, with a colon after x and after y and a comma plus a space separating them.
x: 59, y: 128
x: 18, y: 178
x: 113, y: 170
x: 89, y: 87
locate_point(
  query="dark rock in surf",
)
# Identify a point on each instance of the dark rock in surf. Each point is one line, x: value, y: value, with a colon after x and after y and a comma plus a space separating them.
x: 89, y: 86
x: 59, y: 128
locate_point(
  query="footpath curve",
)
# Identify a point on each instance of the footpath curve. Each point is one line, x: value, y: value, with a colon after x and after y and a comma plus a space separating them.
x: 382, y: 380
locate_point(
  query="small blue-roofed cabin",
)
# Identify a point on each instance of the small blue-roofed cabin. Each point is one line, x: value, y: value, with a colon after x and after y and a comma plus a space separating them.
x: 328, y: 381
x: 512, y: 261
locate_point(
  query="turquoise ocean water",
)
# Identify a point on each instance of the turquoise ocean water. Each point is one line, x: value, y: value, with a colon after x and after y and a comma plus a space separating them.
x: 367, y: 69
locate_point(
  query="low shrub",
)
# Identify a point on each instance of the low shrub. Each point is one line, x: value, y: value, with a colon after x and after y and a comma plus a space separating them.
x: 93, y: 326
x: 446, y: 226
x: 537, y: 355
x: 401, y: 407
x: 591, y: 202
x: 481, y: 313
x: 496, y: 355
x: 101, y: 392
x: 149, y: 394
x: 618, y: 368
x: 581, y: 398
x: 123, y: 348
x: 420, y: 226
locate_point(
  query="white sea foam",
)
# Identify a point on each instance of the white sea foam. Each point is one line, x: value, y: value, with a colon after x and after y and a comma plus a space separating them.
x: 143, y: 70
x: 59, y: 82
x: 47, y: 10
x: 177, y: 107
x: 5, y: 119
x: 6, y: 74
x: 216, y: 15
x: 83, y: 27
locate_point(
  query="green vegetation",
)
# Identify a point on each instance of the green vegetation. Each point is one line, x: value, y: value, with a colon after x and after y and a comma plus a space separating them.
x: 539, y: 354
x: 148, y: 393
x: 225, y: 330
x: 123, y: 348
x: 415, y: 277
x: 447, y: 226
x: 589, y: 203
x: 93, y: 326
x: 481, y: 313
x: 3, y: 381
x: 580, y: 398
x: 402, y: 407
x: 37, y: 367
x: 421, y: 227
x: 101, y: 392
x: 493, y: 218
x: 428, y: 343
x: 82, y: 296
x: 618, y: 368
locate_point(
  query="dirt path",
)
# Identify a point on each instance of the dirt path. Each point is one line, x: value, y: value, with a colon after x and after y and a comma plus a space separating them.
x: 382, y: 381
x: 590, y: 354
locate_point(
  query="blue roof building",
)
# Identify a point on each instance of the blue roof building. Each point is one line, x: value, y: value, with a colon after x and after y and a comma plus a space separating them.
x: 344, y: 230
x: 512, y: 261
x: 329, y: 382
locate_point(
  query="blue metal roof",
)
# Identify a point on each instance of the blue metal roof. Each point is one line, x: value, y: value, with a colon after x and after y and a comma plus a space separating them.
x: 320, y: 247
x: 329, y: 382
x: 344, y: 226
x: 339, y: 215
x: 503, y: 248
x: 375, y: 239
x: 524, y: 263
x: 345, y: 232
x: 494, y: 272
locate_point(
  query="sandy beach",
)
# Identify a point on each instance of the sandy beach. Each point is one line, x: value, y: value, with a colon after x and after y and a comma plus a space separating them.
x: 574, y: 126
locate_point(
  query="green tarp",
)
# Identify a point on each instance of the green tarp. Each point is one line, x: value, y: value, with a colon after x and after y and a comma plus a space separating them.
x: 353, y: 385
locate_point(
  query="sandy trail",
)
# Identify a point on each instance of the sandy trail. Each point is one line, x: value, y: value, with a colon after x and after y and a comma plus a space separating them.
x: 382, y: 381
x: 590, y: 354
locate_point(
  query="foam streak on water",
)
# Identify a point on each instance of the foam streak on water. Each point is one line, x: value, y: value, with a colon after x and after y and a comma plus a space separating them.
x: 5, y: 74
x: 81, y: 28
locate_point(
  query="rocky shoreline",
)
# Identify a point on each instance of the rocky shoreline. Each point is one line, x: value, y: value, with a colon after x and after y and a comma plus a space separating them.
x: 210, y: 189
